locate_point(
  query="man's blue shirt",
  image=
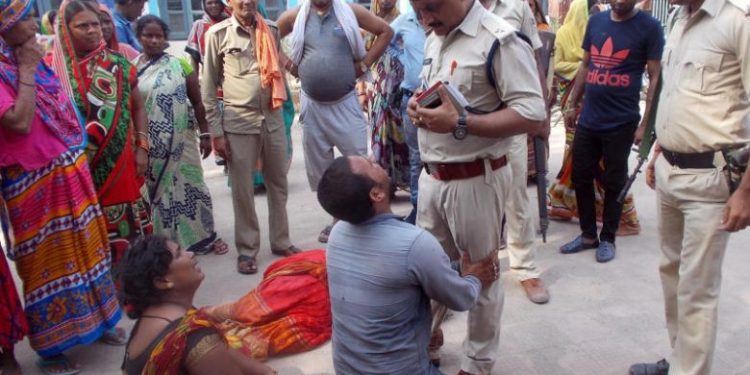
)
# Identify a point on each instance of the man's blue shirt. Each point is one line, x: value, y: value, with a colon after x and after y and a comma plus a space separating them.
x: 125, y: 32
x: 408, y: 39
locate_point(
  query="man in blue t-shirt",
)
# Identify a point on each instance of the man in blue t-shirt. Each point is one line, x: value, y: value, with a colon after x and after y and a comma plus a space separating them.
x: 618, y: 45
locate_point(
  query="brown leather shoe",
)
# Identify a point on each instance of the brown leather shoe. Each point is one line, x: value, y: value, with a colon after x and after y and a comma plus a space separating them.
x: 535, y: 290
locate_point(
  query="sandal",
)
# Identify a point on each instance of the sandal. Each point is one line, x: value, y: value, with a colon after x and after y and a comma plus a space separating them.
x: 323, y: 236
x: 58, y: 365
x: 114, y: 336
x: 220, y: 247
x: 291, y: 250
x: 247, y: 265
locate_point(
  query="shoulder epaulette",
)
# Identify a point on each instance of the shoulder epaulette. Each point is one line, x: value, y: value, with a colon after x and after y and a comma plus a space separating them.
x: 743, y: 5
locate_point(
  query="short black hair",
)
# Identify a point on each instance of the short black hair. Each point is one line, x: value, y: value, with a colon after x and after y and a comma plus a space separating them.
x: 77, y: 6
x: 147, y: 259
x: 147, y: 19
x: 344, y: 194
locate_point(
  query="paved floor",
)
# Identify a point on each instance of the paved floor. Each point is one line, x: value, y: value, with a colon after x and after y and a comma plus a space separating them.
x: 601, y: 318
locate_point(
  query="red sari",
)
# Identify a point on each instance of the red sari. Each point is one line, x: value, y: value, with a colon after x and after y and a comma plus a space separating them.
x: 101, y: 84
x: 13, y: 325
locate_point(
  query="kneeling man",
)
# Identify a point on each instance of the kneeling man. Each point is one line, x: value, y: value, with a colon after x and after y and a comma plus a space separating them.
x: 382, y: 273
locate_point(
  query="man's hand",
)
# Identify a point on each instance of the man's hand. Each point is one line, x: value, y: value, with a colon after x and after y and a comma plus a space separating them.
x: 205, y: 146
x: 569, y: 117
x: 639, y: 134
x: 737, y: 211
x: 442, y: 119
x: 486, y: 270
x: 221, y: 146
x: 141, y: 161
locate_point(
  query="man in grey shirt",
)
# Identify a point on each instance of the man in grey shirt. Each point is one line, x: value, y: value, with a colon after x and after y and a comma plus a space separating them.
x: 382, y: 273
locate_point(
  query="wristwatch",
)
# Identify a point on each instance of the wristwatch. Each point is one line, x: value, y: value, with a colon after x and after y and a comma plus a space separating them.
x: 461, y: 130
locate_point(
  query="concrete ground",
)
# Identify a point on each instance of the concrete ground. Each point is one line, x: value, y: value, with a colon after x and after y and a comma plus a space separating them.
x: 601, y: 318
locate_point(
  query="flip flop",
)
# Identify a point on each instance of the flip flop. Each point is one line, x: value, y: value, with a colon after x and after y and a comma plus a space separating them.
x: 58, y: 365
x: 220, y: 247
x: 114, y: 337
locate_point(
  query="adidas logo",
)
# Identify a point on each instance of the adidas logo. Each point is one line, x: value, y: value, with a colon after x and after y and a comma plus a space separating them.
x: 604, y: 60
x: 607, y: 58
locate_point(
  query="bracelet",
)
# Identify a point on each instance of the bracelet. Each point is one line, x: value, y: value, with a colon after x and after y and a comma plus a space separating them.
x: 142, y: 144
x: 204, y: 135
x: 142, y: 133
x: 27, y: 84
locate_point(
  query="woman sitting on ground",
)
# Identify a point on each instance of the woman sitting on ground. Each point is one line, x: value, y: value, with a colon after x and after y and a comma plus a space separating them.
x: 158, y: 280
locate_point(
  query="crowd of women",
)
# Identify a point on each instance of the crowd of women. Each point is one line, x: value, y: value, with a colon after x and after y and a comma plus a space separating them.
x: 98, y: 148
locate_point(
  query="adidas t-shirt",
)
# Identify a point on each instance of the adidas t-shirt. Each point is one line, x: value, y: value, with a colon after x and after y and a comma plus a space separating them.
x: 619, y: 52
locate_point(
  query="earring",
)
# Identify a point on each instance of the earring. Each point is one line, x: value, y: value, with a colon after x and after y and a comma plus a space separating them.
x: 170, y: 285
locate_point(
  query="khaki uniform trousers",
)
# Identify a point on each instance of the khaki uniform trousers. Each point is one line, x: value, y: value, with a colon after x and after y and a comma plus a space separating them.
x: 245, y: 150
x: 518, y: 215
x: 465, y: 216
x: 690, y: 208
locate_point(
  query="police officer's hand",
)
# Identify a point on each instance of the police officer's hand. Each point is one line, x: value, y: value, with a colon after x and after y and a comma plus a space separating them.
x: 650, y: 169
x: 411, y: 109
x: 486, y: 270
x: 221, y: 146
x: 441, y: 119
x: 543, y: 129
x: 737, y: 211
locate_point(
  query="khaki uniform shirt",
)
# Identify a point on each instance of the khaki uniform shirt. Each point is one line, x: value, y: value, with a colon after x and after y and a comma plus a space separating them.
x: 515, y: 74
x: 518, y: 13
x: 230, y: 63
x: 704, y: 102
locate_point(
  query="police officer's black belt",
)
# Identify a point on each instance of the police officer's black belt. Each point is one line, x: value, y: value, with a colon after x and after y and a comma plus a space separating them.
x: 698, y: 160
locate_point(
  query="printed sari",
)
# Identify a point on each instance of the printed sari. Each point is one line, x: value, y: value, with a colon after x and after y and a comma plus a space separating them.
x: 55, y: 229
x: 389, y: 146
x: 273, y: 319
x: 180, y: 200
x: 101, y: 84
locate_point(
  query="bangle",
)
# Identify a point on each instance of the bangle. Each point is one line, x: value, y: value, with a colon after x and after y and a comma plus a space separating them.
x: 142, y: 133
x: 204, y: 135
x: 27, y: 84
x: 142, y: 144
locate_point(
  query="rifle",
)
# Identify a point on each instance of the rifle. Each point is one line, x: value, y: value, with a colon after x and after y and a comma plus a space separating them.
x: 644, y: 148
x: 540, y: 162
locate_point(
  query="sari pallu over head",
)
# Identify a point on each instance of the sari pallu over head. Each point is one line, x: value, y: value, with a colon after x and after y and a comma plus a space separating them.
x: 56, y: 112
x: 100, y: 86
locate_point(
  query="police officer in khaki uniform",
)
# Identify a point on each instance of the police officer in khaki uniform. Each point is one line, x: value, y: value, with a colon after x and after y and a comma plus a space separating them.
x: 245, y: 129
x: 703, y: 108
x: 521, y: 233
x: 464, y: 188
